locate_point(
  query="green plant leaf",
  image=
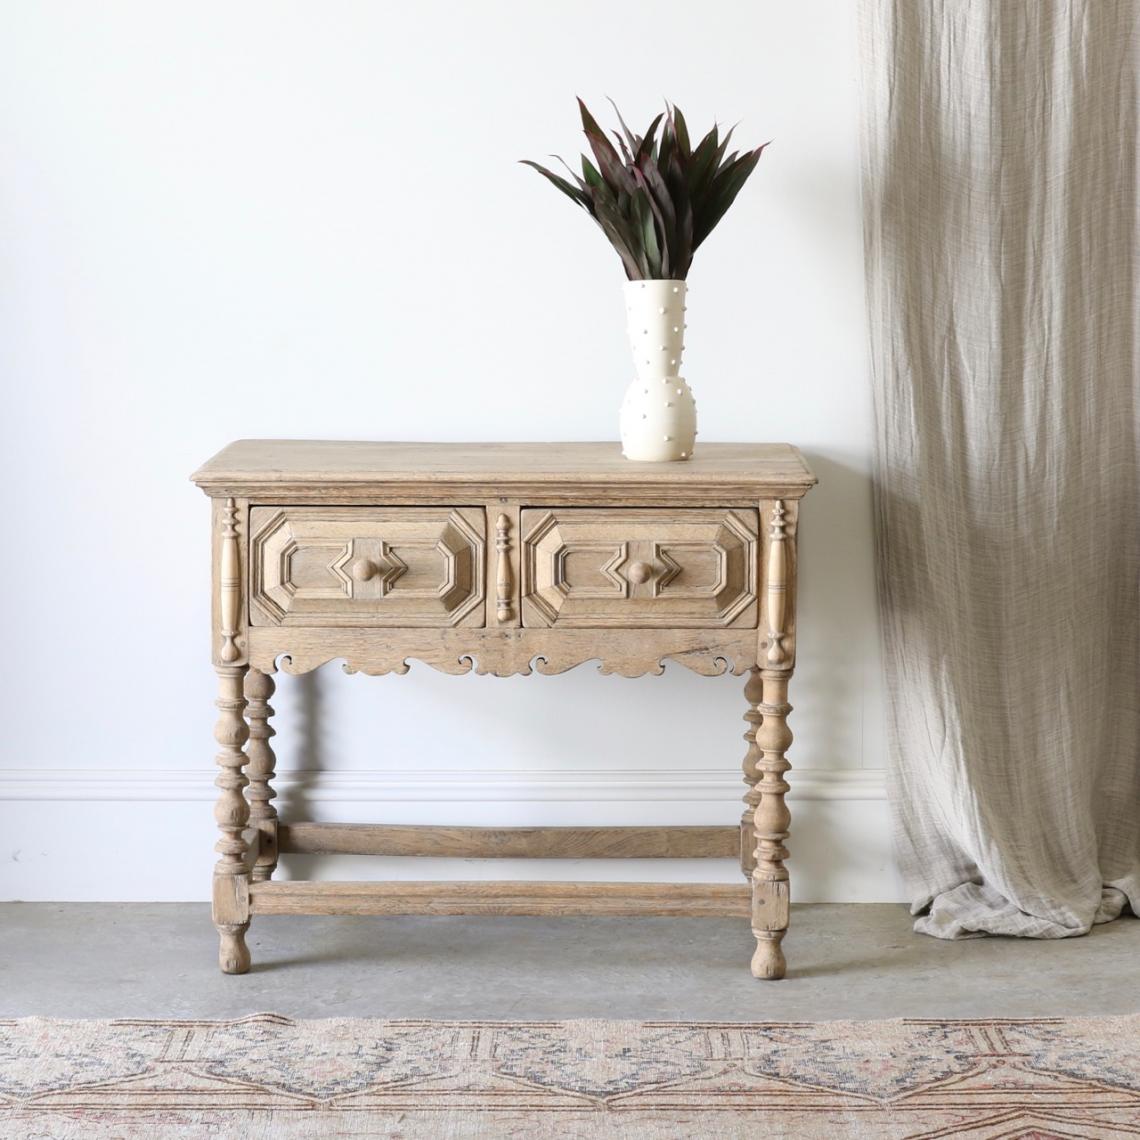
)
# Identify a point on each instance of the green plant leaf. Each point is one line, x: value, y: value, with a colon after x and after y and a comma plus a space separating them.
x: 590, y: 173
x: 657, y: 249
x: 579, y: 182
x: 664, y: 211
x: 648, y: 232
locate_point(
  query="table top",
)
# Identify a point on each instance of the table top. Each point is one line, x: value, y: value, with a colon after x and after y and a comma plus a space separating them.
x: 268, y: 463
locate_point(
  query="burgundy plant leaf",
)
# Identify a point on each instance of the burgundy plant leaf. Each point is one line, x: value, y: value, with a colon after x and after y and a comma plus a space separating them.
x: 656, y: 197
x: 625, y: 152
x: 702, y: 162
x: 618, y: 228
x: 609, y: 161
x: 681, y: 130
x: 664, y: 211
x: 646, y: 147
x: 725, y: 188
x: 634, y: 143
x: 571, y: 192
x: 668, y: 142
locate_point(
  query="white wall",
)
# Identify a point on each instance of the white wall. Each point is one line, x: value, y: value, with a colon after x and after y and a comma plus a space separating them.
x: 300, y: 219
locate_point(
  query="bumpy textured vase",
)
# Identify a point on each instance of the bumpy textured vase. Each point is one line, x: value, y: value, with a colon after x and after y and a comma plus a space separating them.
x: 658, y: 415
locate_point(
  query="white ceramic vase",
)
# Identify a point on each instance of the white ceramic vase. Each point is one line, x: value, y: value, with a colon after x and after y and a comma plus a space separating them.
x: 658, y: 415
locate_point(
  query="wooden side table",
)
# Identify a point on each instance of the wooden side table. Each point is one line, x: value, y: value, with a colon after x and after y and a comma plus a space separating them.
x: 499, y: 558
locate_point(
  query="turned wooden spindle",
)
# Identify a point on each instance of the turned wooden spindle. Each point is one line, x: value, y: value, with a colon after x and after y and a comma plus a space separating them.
x: 259, y: 687
x: 753, y: 694
x: 770, y: 887
x: 503, y: 583
x: 229, y: 582
x: 231, y: 878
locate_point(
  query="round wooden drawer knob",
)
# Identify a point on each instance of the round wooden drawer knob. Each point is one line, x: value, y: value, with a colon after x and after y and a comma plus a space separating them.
x: 363, y: 569
x: 640, y: 572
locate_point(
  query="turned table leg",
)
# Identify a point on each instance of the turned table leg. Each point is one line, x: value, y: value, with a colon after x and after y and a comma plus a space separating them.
x: 770, y: 894
x: 231, y: 875
x: 259, y: 687
x: 770, y: 888
x: 753, y: 694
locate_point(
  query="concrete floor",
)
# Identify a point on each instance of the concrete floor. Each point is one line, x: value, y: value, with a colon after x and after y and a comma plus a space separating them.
x: 850, y: 961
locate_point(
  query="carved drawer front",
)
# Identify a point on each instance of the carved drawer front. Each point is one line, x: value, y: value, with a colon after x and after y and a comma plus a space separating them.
x: 640, y: 568
x: 367, y: 566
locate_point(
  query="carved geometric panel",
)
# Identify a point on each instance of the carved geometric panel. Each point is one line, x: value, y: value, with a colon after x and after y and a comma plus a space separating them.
x: 652, y: 568
x: 367, y: 566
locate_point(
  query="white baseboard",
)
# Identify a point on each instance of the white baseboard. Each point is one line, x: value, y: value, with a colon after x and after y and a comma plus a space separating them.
x: 122, y: 834
x: 635, y: 786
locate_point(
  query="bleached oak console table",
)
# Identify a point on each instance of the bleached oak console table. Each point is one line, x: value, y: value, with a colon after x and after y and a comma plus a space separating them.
x: 500, y: 558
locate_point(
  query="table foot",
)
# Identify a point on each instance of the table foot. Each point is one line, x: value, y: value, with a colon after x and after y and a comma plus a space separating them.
x: 768, y: 962
x: 233, y: 954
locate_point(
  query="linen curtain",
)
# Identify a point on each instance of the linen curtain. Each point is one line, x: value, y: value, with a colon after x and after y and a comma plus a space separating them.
x: 1001, y: 228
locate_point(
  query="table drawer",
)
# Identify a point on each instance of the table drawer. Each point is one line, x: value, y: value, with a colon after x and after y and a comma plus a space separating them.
x: 652, y: 568
x: 367, y: 566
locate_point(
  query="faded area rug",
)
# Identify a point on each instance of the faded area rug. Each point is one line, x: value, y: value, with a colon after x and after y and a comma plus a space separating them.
x: 268, y: 1077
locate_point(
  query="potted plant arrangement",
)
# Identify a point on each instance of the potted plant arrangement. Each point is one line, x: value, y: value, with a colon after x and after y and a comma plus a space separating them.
x: 656, y: 199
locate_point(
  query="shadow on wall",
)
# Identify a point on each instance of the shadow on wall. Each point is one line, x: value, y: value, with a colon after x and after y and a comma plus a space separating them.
x: 674, y: 721
x: 836, y: 690
x: 308, y: 701
x: 561, y: 723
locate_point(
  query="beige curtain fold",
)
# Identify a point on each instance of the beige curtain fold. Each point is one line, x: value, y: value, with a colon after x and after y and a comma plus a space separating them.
x: 1002, y: 221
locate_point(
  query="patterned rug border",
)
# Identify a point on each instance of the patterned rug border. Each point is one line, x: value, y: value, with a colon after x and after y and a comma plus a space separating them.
x: 506, y: 1023
x: 266, y: 1076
